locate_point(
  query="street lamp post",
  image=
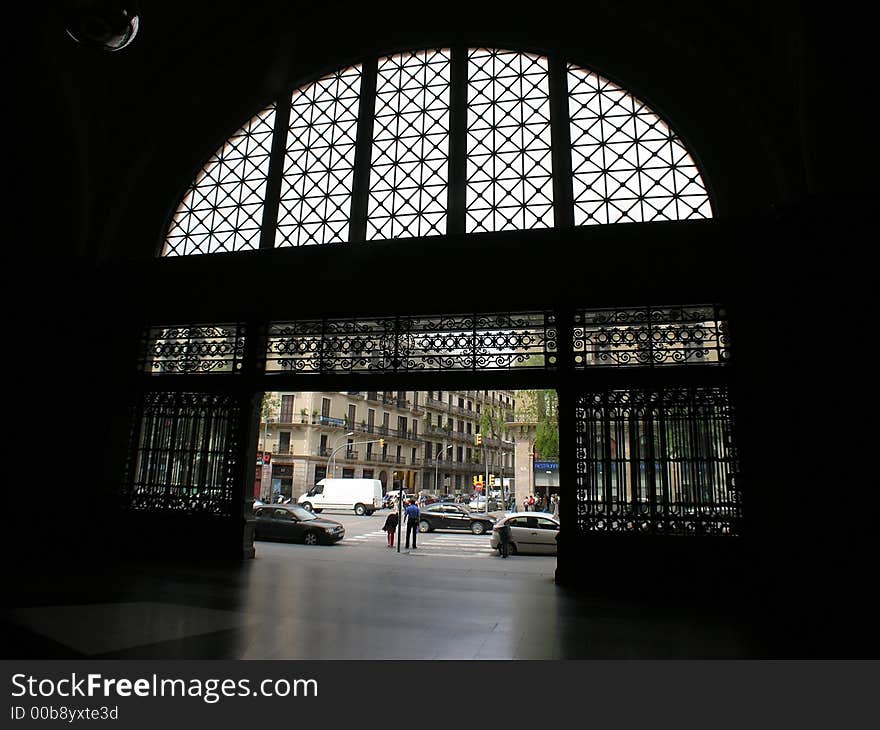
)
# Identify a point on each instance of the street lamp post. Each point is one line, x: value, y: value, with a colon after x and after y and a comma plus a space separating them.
x: 265, y: 489
x: 333, y: 453
x: 502, y: 441
x: 437, y: 466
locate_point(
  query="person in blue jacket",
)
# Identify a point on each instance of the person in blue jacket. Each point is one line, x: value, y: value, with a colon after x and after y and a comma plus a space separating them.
x: 412, y: 513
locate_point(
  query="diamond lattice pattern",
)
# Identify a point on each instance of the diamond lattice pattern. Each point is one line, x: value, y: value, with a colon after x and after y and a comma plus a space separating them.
x: 315, y: 203
x: 509, y: 171
x: 223, y: 208
x: 627, y: 164
x: 410, y: 160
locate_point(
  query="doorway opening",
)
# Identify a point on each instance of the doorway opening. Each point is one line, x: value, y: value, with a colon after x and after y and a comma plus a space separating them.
x: 466, y: 458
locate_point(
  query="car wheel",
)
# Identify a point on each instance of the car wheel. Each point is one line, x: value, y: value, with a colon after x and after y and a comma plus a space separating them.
x: 311, y: 538
x: 478, y: 528
x: 359, y: 509
x: 424, y: 526
x: 307, y: 505
x: 512, y: 549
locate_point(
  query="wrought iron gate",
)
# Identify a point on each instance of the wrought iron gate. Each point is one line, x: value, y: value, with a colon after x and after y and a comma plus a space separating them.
x: 185, y: 448
x: 656, y: 460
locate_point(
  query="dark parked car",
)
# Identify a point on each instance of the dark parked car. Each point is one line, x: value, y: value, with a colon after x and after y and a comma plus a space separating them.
x: 443, y: 516
x: 292, y: 522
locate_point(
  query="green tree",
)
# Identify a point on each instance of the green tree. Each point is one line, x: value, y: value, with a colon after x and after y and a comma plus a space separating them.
x: 492, y: 422
x: 541, y: 407
x: 271, y: 402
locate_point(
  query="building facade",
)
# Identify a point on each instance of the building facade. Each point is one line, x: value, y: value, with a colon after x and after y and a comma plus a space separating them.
x: 420, y: 440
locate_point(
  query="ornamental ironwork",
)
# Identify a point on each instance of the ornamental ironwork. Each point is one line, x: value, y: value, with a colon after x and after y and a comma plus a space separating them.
x: 185, y: 447
x: 316, y: 184
x: 627, y: 164
x: 222, y: 210
x: 410, y: 159
x: 489, y: 341
x: 650, y: 336
x: 341, y: 173
x: 509, y: 171
x: 193, y: 349
x: 658, y: 461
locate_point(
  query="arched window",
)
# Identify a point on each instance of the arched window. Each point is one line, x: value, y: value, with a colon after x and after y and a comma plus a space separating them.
x: 437, y: 141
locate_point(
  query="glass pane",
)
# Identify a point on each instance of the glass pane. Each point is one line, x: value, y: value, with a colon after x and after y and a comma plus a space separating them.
x: 316, y: 184
x: 223, y: 208
x: 627, y: 164
x: 509, y: 170
x: 410, y: 160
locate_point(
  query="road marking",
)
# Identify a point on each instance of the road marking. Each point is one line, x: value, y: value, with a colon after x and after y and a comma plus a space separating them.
x: 465, y: 545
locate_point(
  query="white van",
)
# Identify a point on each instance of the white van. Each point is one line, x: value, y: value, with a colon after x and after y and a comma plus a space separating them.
x: 364, y: 496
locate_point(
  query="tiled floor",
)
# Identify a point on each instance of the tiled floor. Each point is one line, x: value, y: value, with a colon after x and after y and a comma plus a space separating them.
x: 337, y: 602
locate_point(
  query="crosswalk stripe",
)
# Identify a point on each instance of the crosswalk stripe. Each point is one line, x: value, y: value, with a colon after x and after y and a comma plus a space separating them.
x: 438, y: 545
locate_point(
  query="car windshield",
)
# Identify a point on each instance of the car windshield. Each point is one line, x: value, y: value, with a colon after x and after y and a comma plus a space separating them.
x: 301, y: 513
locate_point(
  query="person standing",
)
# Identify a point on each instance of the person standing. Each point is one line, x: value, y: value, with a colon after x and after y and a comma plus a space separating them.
x: 531, y: 507
x: 390, y: 527
x: 504, y: 540
x: 556, y: 506
x: 412, y: 522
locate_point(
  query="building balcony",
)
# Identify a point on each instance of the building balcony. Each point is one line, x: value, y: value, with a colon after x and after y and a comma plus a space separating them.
x: 463, y: 437
x: 287, y: 419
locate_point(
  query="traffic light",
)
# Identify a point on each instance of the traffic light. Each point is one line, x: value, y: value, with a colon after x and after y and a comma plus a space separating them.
x: 381, y: 443
x: 491, y: 480
x: 479, y: 439
x: 476, y: 481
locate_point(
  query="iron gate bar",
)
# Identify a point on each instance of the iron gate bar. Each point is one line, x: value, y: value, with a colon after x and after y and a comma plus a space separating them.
x: 560, y: 146
x: 275, y: 173
x: 360, y: 189
x: 457, y: 189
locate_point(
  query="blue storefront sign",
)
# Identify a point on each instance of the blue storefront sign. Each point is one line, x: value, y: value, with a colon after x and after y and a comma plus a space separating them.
x: 547, y: 465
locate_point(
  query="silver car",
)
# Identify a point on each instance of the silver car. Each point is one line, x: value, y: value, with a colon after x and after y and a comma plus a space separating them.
x: 530, y: 532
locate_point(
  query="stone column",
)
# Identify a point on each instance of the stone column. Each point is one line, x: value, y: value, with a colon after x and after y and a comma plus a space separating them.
x: 523, y: 434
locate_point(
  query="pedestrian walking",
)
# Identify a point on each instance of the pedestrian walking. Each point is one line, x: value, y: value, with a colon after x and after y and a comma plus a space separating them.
x: 556, y: 506
x: 531, y: 507
x: 390, y: 527
x: 504, y: 540
x: 412, y: 513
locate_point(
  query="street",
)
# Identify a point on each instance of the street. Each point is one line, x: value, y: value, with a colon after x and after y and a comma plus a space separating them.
x: 366, y: 541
